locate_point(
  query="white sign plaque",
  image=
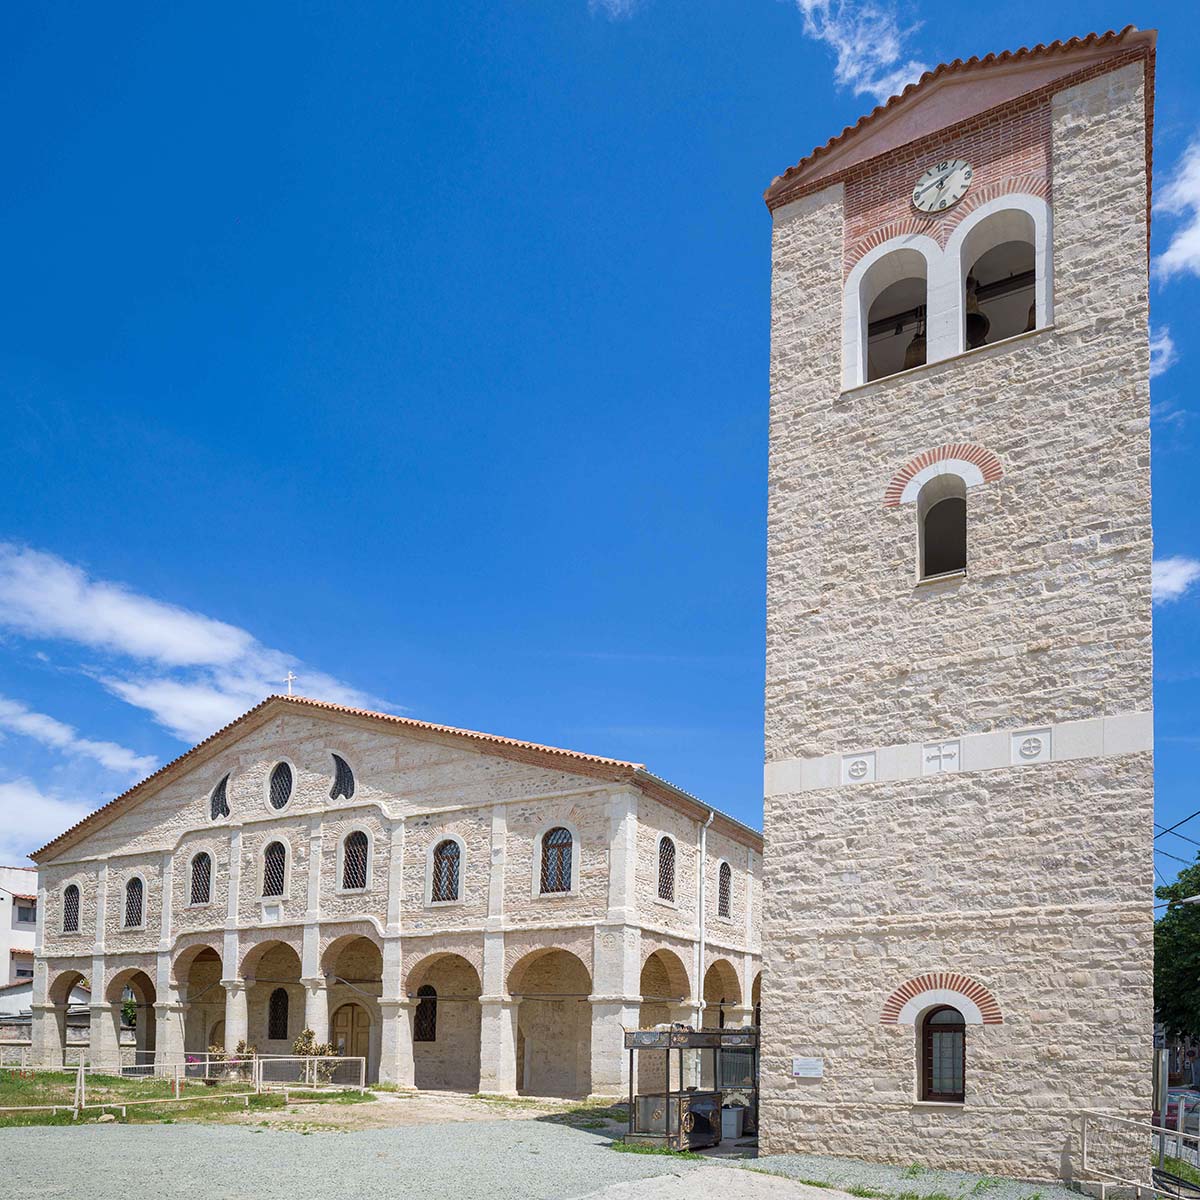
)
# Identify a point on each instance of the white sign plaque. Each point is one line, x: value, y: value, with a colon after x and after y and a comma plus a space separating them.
x: 808, y: 1068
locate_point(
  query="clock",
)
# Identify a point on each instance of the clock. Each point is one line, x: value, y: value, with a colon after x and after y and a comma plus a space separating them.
x: 943, y: 186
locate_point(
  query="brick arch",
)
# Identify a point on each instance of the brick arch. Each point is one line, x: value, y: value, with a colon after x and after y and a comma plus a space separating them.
x: 983, y: 466
x: 941, y: 987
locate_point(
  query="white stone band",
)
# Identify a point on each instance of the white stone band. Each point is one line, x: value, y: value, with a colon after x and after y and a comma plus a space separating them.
x: 1096, y: 737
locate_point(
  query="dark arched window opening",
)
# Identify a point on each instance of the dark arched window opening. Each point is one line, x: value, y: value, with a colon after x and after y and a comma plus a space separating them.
x: 354, y: 861
x: 134, y: 897
x: 218, y: 804
x: 556, y: 861
x: 945, y: 537
x: 277, y: 1016
x: 943, y: 1055
x: 666, y: 869
x: 71, y: 909
x: 343, y: 779
x: 201, y: 878
x: 724, y: 890
x: 281, y: 785
x: 274, y: 869
x: 425, y: 1023
x: 445, y: 870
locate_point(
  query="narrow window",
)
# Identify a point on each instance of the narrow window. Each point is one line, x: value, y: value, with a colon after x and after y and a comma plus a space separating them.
x: 724, y: 888
x: 354, y: 861
x: 281, y: 785
x: 445, y: 870
x: 943, y: 1055
x: 666, y: 869
x: 343, y: 779
x: 1000, y: 287
x: 71, y: 909
x: 425, y: 1024
x: 893, y: 299
x: 556, y: 861
x: 201, y: 878
x: 942, y: 513
x: 218, y: 804
x: 277, y: 1015
x: 274, y: 862
x: 134, y: 895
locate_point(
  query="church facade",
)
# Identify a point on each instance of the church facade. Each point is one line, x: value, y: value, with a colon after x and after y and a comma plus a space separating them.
x: 464, y: 911
x: 959, y: 730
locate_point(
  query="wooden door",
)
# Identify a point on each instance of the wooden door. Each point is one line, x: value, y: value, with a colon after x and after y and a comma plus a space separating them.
x: 352, y: 1030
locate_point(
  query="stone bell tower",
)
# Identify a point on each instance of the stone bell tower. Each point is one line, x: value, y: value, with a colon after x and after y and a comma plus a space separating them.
x: 959, y: 732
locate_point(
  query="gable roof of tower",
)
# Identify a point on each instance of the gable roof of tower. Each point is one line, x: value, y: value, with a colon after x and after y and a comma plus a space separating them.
x: 613, y: 770
x: 952, y: 93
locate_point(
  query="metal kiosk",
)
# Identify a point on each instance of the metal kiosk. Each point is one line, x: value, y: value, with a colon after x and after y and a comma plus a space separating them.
x: 680, y: 1118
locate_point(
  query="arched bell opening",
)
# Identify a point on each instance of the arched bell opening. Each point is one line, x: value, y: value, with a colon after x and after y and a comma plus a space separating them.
x: 999, y: 265
x: 894, y: 300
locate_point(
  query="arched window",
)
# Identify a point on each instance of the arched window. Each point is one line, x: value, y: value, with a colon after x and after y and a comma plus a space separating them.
x: 884, y: 322
x: 724, y: 889
x: 218, y: 803
x: 943, y: 1054
x: 274, y: 869
x: 70, y: 922
x: 445, y: 871
x: 135, y: 894
x: 556, y: 860
x: 277, y: 1015
x: 201, y: 891
x: 942, y: 514
x: 666, y: 869
x: 425, y: 1021
x: 343, y: 779
x: 354, y: 861
x: 1002, y: 290
x: 281, y: 785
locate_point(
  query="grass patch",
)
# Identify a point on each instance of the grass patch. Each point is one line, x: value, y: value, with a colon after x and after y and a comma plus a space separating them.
x: 634, y: 1148
x: 857, y: 1189
x: 1177, y: 1166
x: 912, y: 1171
x: 984, y: 1185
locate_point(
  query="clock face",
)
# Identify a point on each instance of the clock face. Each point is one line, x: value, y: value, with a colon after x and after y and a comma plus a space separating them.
x: 943, y: 186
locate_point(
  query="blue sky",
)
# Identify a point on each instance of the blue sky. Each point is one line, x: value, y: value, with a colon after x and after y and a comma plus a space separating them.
x: 422, y: 350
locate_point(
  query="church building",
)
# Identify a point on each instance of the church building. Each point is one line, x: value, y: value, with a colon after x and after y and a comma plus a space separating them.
x: 959, y: 728
x: 463, y: 911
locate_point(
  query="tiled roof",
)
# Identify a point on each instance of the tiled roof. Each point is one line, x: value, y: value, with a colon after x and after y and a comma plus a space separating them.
x: 614, y: 769
x: 19, y: 952
x: 24, y: 896
x: 1111, y: 37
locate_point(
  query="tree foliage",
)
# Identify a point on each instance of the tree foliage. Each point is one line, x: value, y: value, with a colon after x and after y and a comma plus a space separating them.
x: 1177, y: 956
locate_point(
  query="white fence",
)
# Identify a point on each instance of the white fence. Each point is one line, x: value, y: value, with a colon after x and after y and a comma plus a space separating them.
x: 1111, y: 1145
x: 280, y: 1072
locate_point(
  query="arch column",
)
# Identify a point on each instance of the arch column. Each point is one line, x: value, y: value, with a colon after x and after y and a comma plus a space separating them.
x: 316, y: 1007
x: 611, y: 1016
x: 738, y: 1015
x: 396, y: 1064
x: 498, y: 1045
x: 104, y: 1036
x: 169, y: 1019
x: 48, y: 1035
x: 237, y: 1012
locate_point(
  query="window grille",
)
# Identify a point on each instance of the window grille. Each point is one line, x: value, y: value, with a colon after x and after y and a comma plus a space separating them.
x: 218, y: 805
x: 277, y: 1016
x: 354, y: 861
x: 343, y: 779
x: 133, y: 903
x: 943, y: 1055
x: 666, y: 869
x: 71, y: 909
x: 724, y: 888
x: 556, y: 861
x: 274, y: 862
x: 201, y: 878
x: 445, y: 870
x: 281, y: 785
x: 425, y: 1025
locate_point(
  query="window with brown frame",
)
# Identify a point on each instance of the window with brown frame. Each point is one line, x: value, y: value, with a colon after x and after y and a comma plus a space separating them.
x: 556, y: 861
x: 425, y: 1023
x: 943, y: 1055
x: 666, y: 869
x: 445, y: 871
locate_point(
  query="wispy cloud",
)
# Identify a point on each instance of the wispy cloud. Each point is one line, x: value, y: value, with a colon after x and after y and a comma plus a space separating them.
x: 191, y: 672
x: 1163, y: 355
x: 29, y: 818
x: 868, y: 43
x: 1172, y: 577
x: 19, y: 718
x: 614, y: 9
x: 1180, y: 197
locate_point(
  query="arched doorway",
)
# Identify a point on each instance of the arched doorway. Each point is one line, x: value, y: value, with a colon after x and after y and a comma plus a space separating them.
x: 216, y: 1035
x: 353, y: 969
x: 350, y: 1031
x: 446, y: 1023
x: 664, y: 987
x: 197, y: 975
x: 274, y: 997
x: 721, y: 992
x: 554, y: 1024
x: 131, y: 996
x: 59, y: 994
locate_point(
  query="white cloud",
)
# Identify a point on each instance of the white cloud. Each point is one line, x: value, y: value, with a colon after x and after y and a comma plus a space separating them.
x: 614, y: 9
x: 1163, y: 355
x: 1172, y: 577
x: 1180, y: 197
x: 29, y: 818
x: 192, y: 673
x: 868, y: 42
x: 49, y: 731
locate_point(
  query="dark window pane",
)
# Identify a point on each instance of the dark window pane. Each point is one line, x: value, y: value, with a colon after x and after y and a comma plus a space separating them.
x: 274, y: 861
x: 133, y: 903
x: 201, y: 878
x: 666, y: 869
x: 556, y: 861
x: 946, y: 537
x: 445, y: 871
x: 71, y: 909
x: 354, y: 861
x: 219, y: 803
x: 425, y: 1023
x: 724, y: 888
x: 343, y: 779
x: 281, y: 785
x: 277, y: 1015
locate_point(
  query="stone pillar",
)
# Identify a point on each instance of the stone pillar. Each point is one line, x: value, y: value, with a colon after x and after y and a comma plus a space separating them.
x: 396, y: 1044
x: 104, y: 1038
x: 169, y: 1018
x: 48, y: 1035
x: 237, y: 1012
x: 739, y: 1015
x: 611, y: 1016
x: 498, y: 1045
x: 316, y: 1007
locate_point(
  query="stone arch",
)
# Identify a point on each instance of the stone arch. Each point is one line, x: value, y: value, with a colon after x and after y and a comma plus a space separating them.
x: 196, y: 972
x: 756, y: 998
x: 664, y: 986
x: 721, y: 991
x: 144, y: 994
x: 554, y: 1022
x: 447, y: 1055
x: 257, y: 950
x: 973, y: 464
x: 187, y: 954
x: 332, y: 951
x: 59, y: 995
x: 976, y: 1003
x: 268, y: 965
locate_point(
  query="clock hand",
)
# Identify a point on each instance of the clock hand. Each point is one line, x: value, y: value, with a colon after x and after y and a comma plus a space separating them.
x: 938, y: 181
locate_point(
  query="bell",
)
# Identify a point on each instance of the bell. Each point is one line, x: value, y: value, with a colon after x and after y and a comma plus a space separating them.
x: 977, y: 322
x: 1032, y: 322
x: 914, y: 356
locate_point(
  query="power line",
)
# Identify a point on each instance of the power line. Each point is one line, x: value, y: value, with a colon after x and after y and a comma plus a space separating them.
x: 1172, y: 828
x: 1179, y: 835
x: 1187, y: 862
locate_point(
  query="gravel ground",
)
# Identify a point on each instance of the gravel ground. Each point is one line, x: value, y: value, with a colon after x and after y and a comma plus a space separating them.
x: 912, y: 1182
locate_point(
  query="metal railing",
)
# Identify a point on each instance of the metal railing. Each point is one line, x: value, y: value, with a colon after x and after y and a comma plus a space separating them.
x: 1139, y: 1141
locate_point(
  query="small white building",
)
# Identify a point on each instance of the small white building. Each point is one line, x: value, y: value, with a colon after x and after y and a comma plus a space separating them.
x: 18, y: 922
